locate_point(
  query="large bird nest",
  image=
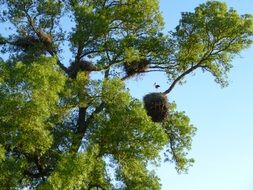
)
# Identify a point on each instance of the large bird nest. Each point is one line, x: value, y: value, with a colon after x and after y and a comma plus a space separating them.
x: 82, y: 65
x: 26, y: 42
x: 33, y: 41
x: 86, y: 66
x: 156, y: 105
x: 45, y: 37
x: 136, y: 67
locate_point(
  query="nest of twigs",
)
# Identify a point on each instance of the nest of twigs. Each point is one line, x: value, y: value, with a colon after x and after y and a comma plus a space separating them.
x: 136, y: 67
x: 45, y: 37
x: 82, y: 65
x: 26, y: 42
x: 156, y: 105
x: 85, y: 66
x: 31, y: 41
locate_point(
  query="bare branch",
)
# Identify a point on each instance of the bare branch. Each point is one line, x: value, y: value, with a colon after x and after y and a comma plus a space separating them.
x: 180, y: 77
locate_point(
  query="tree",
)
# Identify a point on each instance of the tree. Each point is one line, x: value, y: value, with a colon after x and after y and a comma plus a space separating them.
x: 77, y: 126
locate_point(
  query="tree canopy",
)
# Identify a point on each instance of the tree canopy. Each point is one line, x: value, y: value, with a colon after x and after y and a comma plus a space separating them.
x: 73, y: 124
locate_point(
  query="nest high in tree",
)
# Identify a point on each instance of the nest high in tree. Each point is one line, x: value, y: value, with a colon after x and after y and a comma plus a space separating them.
x: 32, y: 42
x: 26, y: 42
x: 156, y: 105
x: 135, y: 67
x: 86, y: 66
x: 45, y: 37
x: 81, y: 66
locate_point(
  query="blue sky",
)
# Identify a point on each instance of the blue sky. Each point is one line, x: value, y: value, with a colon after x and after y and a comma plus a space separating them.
x: 223, y: 145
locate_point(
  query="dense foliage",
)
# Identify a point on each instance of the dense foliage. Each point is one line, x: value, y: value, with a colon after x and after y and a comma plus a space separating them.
x: 75, y: 125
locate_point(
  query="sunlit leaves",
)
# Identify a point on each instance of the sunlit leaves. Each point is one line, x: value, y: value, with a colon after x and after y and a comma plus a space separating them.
x: 126, y: 129
x: 211, y: 37
x: 2, y: 153
x: 113, y: 93
x: 129, y: 135
x: 43, y: 14
x: 29, y: 98
x: 135, y: 175
x: 180, y: 133
x: 12, y: 173
x: 72, y: 171
x: 109, y: 24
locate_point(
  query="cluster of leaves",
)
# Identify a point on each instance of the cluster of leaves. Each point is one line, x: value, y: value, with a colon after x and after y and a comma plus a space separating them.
x: 63, y: 131
x: 209, y: 38
x: 179, y: 132
x: 29, y: 97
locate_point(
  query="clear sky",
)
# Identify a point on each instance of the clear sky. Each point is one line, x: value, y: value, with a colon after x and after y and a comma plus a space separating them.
x: 223, y: 145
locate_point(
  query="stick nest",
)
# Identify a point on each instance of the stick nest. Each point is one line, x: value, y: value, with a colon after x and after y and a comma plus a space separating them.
x: 156, y: 105
x: 86, y: 66
x: 26, y: 42
x: 82, y: 65
x: 135, y: 67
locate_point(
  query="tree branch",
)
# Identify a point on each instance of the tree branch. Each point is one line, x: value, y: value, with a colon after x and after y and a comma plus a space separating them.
x: 81, y: 129
x: 174, y: 155
x: 51, y: 52
x: 212, y: 52
x: 83, y: 124
x: 180, y: 77
x: 39, y: 166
